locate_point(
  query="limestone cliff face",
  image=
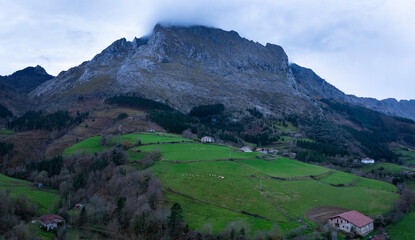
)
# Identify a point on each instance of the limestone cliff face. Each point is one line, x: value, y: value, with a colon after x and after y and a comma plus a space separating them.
x: 312, y: 85
x: 187, y: 66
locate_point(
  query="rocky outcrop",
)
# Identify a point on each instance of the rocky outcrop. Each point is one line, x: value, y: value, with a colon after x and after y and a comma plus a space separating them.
x: 316, y: 87
x: 187, y: 66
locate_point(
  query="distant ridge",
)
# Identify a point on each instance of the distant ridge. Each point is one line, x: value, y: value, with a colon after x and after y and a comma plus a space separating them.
x: 27, y: 79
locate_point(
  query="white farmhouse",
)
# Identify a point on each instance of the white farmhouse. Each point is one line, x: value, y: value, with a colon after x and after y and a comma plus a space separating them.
x: 207, y: 139
x: 368, y: 161
x: 352, y: 221
x: 51, y: 221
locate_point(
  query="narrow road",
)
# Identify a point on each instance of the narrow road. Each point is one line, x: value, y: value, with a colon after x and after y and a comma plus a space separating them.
x: 334, y: 235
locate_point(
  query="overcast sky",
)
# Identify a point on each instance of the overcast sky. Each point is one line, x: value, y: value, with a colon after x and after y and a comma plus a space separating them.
x: 363, y: 47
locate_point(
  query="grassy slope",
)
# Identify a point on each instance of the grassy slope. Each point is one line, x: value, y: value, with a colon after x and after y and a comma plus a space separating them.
x: 387, y: 166
x: 44, y: 200
x: 5, y: 132
x: 284, y: 167
x: 296, y: 197
x: 339, y: 178
x: 404, y: 229
x: 92, y: 144
x: 236, y: 190
x: 152, y: 138
x: 239, y: 190
x: 196, y: 151
x: 406, y: 154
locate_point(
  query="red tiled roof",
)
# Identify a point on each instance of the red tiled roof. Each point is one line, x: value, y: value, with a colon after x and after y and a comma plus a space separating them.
x: 50, y: 218
x: 355, y: 218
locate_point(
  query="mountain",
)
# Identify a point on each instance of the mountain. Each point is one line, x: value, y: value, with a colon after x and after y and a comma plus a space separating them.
x: 27, y: 79
x: 184, y: 67
x: 314, y: 86
x: 189, y: 66
x: 15, y: 87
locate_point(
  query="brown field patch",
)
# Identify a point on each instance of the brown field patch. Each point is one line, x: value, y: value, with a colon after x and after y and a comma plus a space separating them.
x: 322, y: 213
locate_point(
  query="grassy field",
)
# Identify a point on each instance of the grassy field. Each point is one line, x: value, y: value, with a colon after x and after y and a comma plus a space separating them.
x: 290, y: 128
x: 284, y: 167
x: 339, y: 178
x: 387, y: 167
x: 224, y: 183
x: 405, y: 154
x: 196, y: 152
x: 92, y: 144
x: 6, y: 132
x: 44, y: 200
x: 404, y: 229
x: 199, y: 216
x: 214, y: 191
x: 89, y: 145
x: 153, y: 138
x: 210, y: 189
x: 296, y: 197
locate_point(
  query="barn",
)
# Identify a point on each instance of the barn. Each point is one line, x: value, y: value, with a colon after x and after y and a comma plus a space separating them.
x: 352, y: 221
x: 51, y: 221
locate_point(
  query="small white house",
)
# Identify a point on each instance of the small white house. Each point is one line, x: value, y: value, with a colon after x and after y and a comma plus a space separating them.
x: 261, y: 150
x: 246, y: 149
x: 352, y: 221
x: 368, y: 161
x: 51, y: 221
x: 207, y: 139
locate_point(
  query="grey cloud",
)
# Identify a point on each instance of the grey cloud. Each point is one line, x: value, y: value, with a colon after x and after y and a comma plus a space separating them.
x: 363, y: 47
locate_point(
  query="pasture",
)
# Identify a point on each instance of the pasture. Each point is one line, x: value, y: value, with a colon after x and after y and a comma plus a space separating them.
x: 404, y: 229
x: 5, y: 132
x: 390, y: 167
x: 223, y: 183
x: 196, y: 152
x: 406, y: 154
x: 93, y: 144
x: 284, y: 167
x: 89, y: 145
x: 298, y: 196
x: 152, y: 138
x: 211, y: 189
x: 45, y: 199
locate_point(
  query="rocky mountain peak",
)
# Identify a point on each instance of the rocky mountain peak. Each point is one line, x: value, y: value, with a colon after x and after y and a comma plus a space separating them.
x: 187, y: 66
x: 215, y: 47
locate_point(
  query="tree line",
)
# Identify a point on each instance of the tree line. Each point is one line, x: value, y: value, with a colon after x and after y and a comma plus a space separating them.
x: 35, y: 120
x: 4, y: 112
x: 5, y: 148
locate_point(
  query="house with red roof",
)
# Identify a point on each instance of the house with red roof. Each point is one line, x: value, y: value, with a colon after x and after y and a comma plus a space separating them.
x: 51, y: 221
x: 352, y: 221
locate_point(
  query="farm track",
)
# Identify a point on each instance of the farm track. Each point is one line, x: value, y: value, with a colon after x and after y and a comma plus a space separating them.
x: 216, y: 205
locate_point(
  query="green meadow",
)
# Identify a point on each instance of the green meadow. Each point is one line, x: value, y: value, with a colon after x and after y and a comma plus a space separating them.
x: 404, y: 229
x: 196, y: 152
x: 92, y: 144
x: 386, y: 166
x: 284, y: 168
x: 208, y: 190
x: 214, y: 191
x: 152, y: 138
x: 44, y: 199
